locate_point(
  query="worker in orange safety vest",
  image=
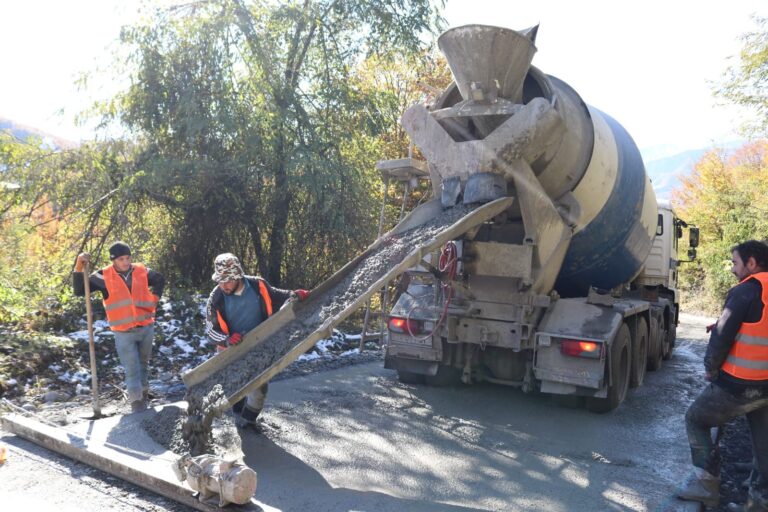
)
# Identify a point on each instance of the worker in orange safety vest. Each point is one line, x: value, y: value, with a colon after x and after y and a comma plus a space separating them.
x: 736, y: 366
x: 130, y: 292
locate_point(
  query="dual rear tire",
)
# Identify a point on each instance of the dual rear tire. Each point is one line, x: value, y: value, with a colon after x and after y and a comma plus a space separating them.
x: 620, y: 373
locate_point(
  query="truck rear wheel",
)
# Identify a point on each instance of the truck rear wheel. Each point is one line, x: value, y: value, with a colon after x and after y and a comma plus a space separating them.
x: 410, y: 377
x: 445, y: 376
x: 620, y: 372
x: 639, y: 353
x: 656, y: 347
x: 669, y: 346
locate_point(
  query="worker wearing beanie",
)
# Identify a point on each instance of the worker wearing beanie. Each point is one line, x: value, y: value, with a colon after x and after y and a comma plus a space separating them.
x: 237, y: 305
x: 130, y: 292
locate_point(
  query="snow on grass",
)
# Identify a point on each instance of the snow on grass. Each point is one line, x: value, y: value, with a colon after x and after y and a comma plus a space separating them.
x: 309, y: 357
x: 184, y: 346
x: 79, y: 335
x: 80, y: 376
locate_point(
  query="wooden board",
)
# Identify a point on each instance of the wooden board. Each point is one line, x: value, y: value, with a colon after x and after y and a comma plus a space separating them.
x: 261, y: 333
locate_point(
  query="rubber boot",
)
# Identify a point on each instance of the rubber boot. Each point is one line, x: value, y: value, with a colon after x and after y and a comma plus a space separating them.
x: 138, y: 406
x: 249, y: 416
x: 238, y: 407
x: 703, y: 487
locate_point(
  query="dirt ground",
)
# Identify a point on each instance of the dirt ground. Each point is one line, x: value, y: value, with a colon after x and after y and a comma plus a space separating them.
x: 736, y: 450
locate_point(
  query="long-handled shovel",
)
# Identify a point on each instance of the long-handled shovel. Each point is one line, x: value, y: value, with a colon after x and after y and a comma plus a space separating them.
x: 91, y: 345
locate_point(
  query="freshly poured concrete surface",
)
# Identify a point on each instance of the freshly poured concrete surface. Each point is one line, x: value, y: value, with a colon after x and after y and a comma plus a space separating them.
x: 356, y: 439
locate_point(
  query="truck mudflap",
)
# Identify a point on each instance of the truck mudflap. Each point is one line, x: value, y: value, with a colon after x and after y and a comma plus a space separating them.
x: 572, y: 344
x: 416, y: 366
x: 293, y: 330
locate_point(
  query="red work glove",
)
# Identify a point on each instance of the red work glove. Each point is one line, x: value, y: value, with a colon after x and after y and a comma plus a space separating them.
x: 235, y: 338
x: 301, y: 294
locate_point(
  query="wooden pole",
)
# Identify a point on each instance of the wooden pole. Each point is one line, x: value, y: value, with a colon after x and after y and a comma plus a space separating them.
x: 91, y: 344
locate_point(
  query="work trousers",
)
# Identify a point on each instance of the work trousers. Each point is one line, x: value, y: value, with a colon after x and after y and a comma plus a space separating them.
x: 713, y: 408
x: 256, y: 398
x: 134, y: 348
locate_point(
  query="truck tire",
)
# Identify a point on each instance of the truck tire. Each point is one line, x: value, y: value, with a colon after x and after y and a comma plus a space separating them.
x: 445, y: 376
x: 669, y: 346
x: 639, y: 353
x: 620, y: 370
x: 656, y: 346
x: 410, y: 377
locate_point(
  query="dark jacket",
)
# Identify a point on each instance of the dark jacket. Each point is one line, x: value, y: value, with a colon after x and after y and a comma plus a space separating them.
x: 215, y: 307
x: 155, y: 280
x: 742, y: 304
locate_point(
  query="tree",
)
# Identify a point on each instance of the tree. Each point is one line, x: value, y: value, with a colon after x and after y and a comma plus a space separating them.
x: 726, y: 197
x: 251, y: 125
x: 745, y: 82
x: 61, y: 202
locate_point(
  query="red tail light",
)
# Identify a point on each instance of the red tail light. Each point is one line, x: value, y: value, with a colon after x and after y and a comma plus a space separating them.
x: 405, y: 325
x: 581, y: 348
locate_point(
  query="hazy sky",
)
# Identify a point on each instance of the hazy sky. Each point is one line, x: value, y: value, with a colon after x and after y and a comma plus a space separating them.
x: 646, y: 63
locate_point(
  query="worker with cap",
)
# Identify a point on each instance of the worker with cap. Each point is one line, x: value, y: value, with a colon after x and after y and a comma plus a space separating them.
x: 235, y: 306
x: 130, y: 292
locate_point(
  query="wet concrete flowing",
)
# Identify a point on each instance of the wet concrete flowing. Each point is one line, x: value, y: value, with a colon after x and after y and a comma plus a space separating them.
x: 202, y: 398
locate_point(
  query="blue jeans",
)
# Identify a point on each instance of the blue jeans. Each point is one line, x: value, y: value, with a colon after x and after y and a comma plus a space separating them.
x: 134, y: 349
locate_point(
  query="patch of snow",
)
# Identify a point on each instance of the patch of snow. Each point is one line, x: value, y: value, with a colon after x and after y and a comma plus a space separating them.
x: 100, y: 325
x: 324, y: 345
x: 167, y: 307
x: 79, y: 335
x: 166, y: 350
x: 184, y: 345
x: 350, y: 352
x: 54, y: 367
x: 11, y: 382
x: 79, y: 376
x: 309, y: 357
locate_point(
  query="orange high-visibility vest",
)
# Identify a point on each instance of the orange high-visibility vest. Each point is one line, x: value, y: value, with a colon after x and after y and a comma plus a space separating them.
x: 748, y: 358
x: 125, y: 308
x: 267, y: 304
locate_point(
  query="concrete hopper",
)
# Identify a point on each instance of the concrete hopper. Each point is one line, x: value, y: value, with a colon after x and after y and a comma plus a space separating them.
x: 488, y: 62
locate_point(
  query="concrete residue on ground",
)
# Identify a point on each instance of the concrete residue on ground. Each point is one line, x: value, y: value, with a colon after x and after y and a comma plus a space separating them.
x: 314, y: 313
x: 166, y: 428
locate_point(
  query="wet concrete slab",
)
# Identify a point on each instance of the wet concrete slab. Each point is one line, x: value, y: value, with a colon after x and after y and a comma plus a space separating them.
x: 120, y: 445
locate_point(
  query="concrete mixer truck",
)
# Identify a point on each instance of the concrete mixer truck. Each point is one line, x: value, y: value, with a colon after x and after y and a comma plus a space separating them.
x: 570, y: 291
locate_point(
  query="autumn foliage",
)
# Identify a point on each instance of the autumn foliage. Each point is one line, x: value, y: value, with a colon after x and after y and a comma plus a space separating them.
x: 726, y: 196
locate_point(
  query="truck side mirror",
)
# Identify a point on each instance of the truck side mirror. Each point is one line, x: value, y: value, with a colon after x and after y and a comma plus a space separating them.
x: 693, y: 235
x: 691, y: 254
